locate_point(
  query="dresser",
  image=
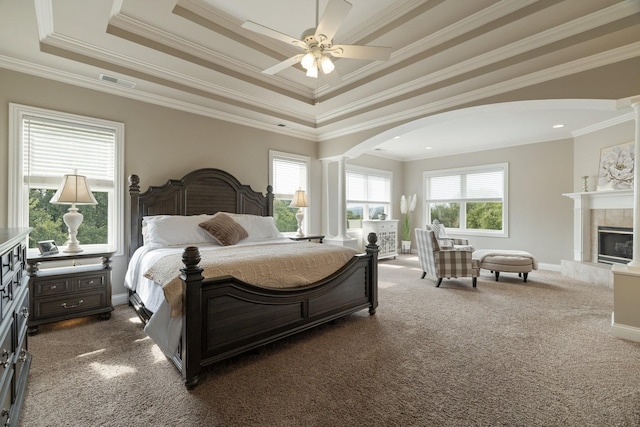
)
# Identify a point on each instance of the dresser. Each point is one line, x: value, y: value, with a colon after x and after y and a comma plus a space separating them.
x: 64, y: 286
x: 387, y: 231
x: 15, y: 359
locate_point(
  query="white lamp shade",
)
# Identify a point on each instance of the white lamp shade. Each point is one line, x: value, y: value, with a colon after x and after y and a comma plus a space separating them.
x: 74, y: 190
x: 326, y: 64
x: 299, y: 200
x: 308, y: 60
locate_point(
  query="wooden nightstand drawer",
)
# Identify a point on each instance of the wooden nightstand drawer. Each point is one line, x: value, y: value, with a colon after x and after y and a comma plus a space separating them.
x: 92, y: 282
x: 69, y: 304
x: 52, y: 287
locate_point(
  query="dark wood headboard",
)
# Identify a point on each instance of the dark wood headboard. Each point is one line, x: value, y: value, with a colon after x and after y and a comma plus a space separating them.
x: 203, y: 191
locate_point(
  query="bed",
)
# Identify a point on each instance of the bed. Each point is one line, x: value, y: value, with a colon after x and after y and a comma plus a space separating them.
x: 224, y: 316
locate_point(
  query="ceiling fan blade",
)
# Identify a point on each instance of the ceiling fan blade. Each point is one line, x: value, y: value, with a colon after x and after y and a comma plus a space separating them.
x: 266, y: 31
x: 360, y: 52
x: 284, y: 64
x: 332, y: 18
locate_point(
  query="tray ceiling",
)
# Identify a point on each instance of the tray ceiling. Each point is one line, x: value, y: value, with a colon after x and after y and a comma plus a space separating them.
x: 195, y: 56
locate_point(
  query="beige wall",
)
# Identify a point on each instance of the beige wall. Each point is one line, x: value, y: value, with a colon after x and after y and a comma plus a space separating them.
x: 540, y: 218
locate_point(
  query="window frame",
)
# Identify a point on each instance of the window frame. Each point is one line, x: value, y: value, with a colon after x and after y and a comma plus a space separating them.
x: 369, y: 172
x: 504, y: 167
x: 296, y: 158
x: 18, y: 213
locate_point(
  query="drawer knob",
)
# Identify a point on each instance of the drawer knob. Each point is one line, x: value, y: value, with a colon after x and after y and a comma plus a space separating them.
x: 23, y: 355
x: 25, y: 312
x: 91, y: 282
x: 53, y: 287
x: 65, y: 306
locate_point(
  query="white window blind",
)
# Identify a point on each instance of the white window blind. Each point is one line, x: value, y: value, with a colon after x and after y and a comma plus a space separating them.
x: 486, y: 185
x: 445, y: 187
x: 364, y: 187
x: 288, y: 176
x: 53, y: 147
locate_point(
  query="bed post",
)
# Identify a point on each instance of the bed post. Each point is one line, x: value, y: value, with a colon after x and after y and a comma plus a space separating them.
x: 372, y: 249
x: 192, y: 316
x: 134, y: 192
x: 269, y: 197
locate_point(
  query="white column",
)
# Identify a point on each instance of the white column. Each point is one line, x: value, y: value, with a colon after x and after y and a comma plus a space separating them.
x: 635, y: 262
x: 326, y: 197
x: 342, y: 198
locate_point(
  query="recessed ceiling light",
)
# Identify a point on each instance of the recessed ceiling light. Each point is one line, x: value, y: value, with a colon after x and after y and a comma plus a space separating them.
x: 396, y: 137
x: 428, y: 148
x: 558, y: 126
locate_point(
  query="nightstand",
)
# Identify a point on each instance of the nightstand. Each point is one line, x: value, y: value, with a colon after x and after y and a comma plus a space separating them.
x: 65, y: 286
x: 309, y: 237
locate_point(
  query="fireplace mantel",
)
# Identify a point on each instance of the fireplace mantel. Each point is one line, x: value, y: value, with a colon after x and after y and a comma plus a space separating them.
x: 583, y: 203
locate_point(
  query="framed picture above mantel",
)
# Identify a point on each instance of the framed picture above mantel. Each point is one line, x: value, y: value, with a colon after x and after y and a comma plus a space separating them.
x: 616, y: 167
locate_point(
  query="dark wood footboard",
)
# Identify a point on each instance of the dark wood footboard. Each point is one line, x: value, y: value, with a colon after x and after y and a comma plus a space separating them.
x: 225, y: 317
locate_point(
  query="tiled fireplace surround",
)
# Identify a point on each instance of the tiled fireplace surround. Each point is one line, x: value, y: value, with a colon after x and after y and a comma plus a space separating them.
x: 593, y: 209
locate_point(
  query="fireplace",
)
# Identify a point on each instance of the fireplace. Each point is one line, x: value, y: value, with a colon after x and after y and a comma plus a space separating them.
x: 615, y: 245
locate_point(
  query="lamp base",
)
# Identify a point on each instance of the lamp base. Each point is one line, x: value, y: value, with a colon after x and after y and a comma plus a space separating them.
x: 72, y: 248
x: 299, y: 218
x: 72, y: 219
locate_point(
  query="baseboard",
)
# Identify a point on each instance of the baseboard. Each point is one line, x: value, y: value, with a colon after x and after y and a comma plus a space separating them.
x: 120, y: 299
x: 550, y: 267
x: 623, y: 331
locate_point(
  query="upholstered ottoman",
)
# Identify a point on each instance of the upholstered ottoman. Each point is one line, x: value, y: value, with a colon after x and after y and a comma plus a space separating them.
x: 506, y: 261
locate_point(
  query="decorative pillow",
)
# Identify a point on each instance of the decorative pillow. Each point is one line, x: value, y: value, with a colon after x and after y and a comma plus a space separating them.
x: 438, y: 229
x: 258, y: 227
x: 224, y: 229
x: 173, y: 230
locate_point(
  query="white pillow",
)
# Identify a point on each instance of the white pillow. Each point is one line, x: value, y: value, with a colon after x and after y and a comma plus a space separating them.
x: 258, y: 227
x: 173, y: 230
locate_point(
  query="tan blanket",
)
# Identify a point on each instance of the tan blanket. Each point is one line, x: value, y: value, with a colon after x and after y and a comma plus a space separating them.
x: 278, y: 265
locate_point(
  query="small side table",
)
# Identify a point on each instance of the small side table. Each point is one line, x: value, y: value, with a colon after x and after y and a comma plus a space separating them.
x: 72, y: 285
x: 309, y: 237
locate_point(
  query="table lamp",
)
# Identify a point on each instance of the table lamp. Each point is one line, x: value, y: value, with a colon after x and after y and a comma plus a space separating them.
x: 73, y: 191
x: 299, y: 201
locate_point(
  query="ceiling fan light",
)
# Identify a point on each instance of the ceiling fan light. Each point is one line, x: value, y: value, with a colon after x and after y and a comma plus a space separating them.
x: 312, y: 71
x: 327, y: 64
x: 307, y: 60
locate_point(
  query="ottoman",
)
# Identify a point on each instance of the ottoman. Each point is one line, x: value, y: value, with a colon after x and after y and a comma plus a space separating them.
x: 506, y: 261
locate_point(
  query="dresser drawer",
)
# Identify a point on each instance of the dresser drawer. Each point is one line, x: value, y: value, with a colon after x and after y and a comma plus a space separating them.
x: 6, y: 266
x: 68, y: 304
x: 6, y: 352
x: 5, y: 401
x: 51, y: 287
x: 22, y: 315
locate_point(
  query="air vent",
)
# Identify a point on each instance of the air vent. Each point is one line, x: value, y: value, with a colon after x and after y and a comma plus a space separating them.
x: 121, y: 82
x: 281, y: 125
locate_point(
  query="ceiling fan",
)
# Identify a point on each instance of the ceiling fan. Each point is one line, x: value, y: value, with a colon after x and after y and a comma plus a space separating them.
x: 318, y: 42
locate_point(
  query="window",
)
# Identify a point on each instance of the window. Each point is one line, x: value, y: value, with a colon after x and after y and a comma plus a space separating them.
x: 288, y: 173
x: 469, y: 200
x: 368, y: 194
x: 45, y: 145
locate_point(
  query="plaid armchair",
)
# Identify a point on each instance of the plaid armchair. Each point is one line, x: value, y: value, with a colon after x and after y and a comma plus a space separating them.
x: 439, y: 263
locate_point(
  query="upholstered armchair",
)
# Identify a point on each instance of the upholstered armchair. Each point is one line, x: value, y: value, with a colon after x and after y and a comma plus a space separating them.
x: 446, y: 242
x: 439, y: 263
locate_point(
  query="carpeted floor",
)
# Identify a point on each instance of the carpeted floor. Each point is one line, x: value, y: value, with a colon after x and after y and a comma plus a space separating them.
x: 506, y: 353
